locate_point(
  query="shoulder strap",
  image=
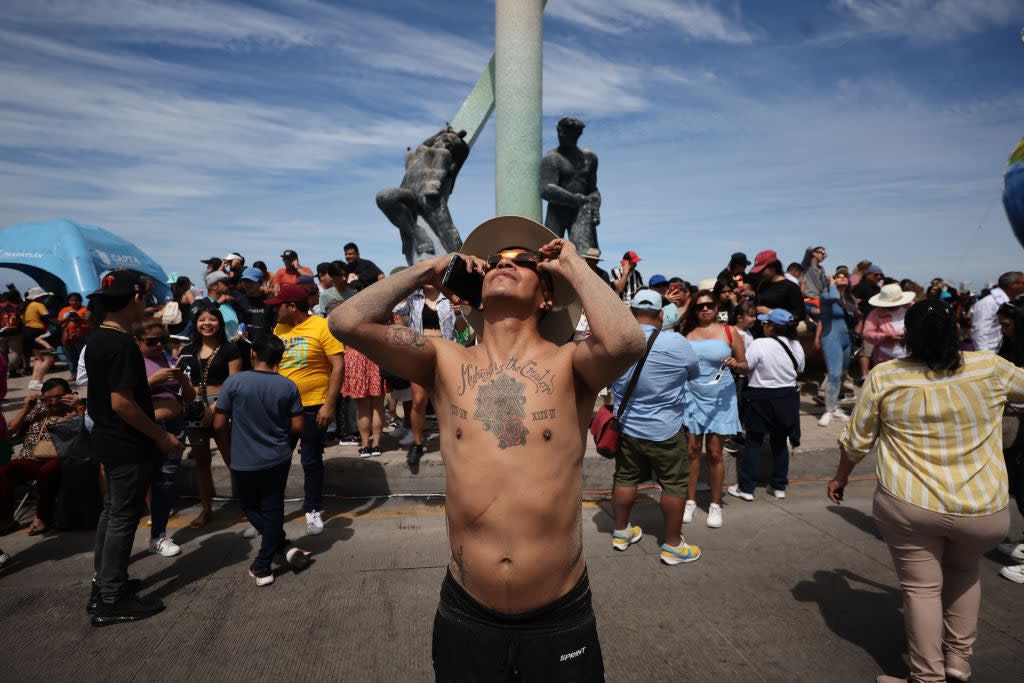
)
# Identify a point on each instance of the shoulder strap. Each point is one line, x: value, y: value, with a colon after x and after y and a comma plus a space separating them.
x: 635, y: 377
x: 728, y: 333
x: 796, y: 366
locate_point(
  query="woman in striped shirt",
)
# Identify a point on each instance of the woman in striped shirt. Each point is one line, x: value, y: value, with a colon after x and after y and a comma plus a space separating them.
x: 935, y: 419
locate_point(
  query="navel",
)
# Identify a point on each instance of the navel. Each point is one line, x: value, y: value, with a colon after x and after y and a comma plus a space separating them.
x: 458, y: 433
x: 506, y: 560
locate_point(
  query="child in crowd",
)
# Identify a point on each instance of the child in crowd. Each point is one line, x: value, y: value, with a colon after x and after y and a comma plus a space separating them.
x: 260, y: 411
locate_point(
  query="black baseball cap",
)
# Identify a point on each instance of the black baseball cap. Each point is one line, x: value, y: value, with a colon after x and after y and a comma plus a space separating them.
x: 738, y: 258
x: 214, y: 261
x: 121, y: 283
x: 289, y: 254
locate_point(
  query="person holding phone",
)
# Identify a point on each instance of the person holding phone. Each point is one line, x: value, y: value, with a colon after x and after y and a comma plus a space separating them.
x: 171, y: 390
x: 512, y: 417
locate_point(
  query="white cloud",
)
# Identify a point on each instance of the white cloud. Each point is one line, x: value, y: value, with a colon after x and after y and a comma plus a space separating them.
x: 695, y: 20
x: 932, y: 21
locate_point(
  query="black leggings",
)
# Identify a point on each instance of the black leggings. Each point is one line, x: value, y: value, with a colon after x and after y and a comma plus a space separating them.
x: 557, y: 642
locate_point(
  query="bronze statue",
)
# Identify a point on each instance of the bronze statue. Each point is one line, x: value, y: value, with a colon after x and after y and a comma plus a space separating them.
x: 568, y: 180
x: 430, y: 172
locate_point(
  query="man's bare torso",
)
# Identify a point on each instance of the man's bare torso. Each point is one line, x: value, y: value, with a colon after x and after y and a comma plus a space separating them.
x: 512, y: 438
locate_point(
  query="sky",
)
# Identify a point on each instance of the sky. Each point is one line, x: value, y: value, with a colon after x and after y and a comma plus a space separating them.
x: 877, y: 128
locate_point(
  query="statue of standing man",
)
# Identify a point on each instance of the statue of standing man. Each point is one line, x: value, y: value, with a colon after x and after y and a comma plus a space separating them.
x: 568, y: 180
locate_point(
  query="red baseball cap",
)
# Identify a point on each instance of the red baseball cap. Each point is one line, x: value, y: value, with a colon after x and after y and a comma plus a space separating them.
x: 288, y: 294
x: 631, y: 256
x: 762, y: 259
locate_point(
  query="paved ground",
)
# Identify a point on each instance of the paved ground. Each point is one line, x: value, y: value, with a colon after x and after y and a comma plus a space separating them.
x: 792, y: 590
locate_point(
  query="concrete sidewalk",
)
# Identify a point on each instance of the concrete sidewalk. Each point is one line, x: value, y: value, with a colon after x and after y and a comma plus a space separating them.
x: 792, y: 590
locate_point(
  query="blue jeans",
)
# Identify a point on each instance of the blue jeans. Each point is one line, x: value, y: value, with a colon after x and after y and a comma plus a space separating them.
x: 1013, y: 198
x: 261, y: 495
x: 311, y: 455
x: 165, y: 472
x: 836, y: 347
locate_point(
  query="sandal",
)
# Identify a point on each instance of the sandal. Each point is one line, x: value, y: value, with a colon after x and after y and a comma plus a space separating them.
x: 37, y: 530
x: 199, y: 522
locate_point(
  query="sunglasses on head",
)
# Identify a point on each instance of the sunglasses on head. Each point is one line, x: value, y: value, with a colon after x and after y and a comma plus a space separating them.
x: 521, y: 257
x: 153, y: 341
x: 704, y: 305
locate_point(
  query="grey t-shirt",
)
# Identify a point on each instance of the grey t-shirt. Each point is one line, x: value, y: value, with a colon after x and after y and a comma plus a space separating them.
x: 261, y: 405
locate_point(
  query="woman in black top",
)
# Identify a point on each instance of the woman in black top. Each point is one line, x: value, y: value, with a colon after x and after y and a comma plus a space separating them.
x: 775, y: 291
x: 208, y: 360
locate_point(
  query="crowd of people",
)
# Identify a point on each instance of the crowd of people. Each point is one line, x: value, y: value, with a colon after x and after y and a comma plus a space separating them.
x: 247, y: 360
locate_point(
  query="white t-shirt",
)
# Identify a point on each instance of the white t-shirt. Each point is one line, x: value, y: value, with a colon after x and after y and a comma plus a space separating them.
x: 770, y: 365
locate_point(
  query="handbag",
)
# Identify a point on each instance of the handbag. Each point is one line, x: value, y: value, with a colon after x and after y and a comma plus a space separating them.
x: 71, y: 440
x: 606, y: 427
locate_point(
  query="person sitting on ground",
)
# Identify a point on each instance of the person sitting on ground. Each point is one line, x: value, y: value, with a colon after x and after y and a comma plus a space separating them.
x: 38, y: 459
x: 771, y: 402
x: 361, y: 272
x: 653, y: 435
x: 259, y: 414
x: 941, y: 501
x: 513, y: 414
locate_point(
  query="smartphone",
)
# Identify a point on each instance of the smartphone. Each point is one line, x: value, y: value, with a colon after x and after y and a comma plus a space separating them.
x: 468, y: 286
x: 183, y: 360
x: 674, y: 287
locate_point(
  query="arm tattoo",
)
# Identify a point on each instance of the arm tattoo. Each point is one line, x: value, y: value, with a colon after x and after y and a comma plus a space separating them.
x: 403, y: 337
x: 501, y: 408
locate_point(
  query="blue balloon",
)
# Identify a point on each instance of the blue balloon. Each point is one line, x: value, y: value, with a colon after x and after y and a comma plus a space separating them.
x: 1013, y: 192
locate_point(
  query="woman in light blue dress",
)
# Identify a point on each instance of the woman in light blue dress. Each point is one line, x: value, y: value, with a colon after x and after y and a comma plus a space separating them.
x: 711, y: 413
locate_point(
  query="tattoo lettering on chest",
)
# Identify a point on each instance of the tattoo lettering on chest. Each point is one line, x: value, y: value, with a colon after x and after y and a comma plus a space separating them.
x: 501, y: 408
x: 542, y: 379
x: 539, y: 415
x: 458, y: 412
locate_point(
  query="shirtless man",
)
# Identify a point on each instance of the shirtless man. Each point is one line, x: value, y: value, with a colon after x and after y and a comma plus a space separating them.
x: 512, y: 415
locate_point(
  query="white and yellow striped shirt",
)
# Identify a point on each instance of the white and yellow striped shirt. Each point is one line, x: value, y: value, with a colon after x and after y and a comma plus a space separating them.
x: 939, y: 435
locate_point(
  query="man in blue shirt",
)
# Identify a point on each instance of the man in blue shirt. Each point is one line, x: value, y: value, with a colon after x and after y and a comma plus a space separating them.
x: 653, y: 442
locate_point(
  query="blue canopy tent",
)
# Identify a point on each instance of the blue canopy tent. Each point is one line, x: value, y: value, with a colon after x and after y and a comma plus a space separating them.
x: 64, y: 256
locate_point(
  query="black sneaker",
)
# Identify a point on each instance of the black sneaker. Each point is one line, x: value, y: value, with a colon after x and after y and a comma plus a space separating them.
x: 264, y: 575
x: 414, y: 455
x: 129, y: 608
x: 365, y: 452
x: 133, y: 586
x: 376, y: 451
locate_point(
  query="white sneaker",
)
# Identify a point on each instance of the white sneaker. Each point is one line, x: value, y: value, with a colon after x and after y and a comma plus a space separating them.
x: 34, y: 385
x: 825, y: 420
x: 1015, y: 574
x: 250, y: 532
x: 714, y: 519
x: 688, y: 510
x: 840, y: 415
x: 777, y: 493
x: 4, y: 558
x: 314, y: 523
x: 406, y: 439
x: 734, y: 490
x: 297, y: 558
x: 1014, y: 551
x: 165, y: 546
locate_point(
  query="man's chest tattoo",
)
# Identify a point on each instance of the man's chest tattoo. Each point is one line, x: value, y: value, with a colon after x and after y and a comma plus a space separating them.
x: 501, y: 408
x: 542, y: 379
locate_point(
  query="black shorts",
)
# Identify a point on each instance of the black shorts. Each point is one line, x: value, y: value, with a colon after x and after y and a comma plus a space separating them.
x: 557, y: 642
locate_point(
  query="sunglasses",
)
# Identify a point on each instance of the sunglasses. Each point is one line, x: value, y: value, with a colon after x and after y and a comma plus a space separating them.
x: 704, y: 306
x: 520, y: 257
x: 153, y: 341
x: 53, y: 399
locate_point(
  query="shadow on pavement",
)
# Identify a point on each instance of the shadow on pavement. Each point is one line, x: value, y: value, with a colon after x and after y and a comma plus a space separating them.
x: 855, y: 517
x: 52, y: 548
x: 869, y: 619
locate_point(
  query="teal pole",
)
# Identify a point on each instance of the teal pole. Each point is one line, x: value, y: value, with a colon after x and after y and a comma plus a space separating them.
x: 518, y: 75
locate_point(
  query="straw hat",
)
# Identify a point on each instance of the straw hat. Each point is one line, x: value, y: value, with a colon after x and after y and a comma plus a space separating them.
x: 891, y: 296
x: 558, y: 324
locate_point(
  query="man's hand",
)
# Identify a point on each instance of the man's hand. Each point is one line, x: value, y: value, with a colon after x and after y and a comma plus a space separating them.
x: 836, y: 488
x: 626, y: 266
x: 324, y: 416
x: 556, y: 254
x: 169, y: 445
x: 30, y: 401
x: 70, y: 400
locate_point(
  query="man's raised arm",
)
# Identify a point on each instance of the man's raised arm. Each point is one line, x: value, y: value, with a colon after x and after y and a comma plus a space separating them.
x: 362, y: 322
x: 616, y: 340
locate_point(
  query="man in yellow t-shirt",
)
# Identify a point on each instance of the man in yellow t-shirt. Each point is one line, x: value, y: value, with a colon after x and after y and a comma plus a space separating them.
x: 313, y: 360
